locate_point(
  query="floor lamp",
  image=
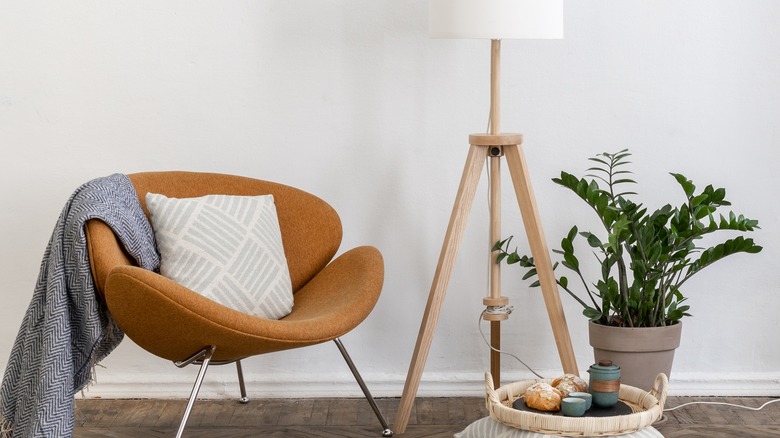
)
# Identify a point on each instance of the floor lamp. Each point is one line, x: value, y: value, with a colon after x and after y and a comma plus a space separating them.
x: 494, y: 20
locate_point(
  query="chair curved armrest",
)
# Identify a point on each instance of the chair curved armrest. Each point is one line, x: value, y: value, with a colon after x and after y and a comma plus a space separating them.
x: 172, y: 321
x: 105, y: 252
x: 343, y: 293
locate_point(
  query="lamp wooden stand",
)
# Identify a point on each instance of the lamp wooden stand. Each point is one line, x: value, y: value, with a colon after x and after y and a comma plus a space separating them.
x: 492, y: 147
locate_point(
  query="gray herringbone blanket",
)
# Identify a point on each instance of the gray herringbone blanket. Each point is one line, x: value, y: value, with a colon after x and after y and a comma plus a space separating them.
x: 66, y: 329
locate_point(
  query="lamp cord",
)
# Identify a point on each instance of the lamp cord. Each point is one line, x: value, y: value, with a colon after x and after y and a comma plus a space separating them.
x: 508, y: 309
x: 723, y: 404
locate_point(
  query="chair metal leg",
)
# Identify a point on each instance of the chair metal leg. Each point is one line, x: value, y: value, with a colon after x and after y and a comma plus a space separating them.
x: 204, y: 356
x: 244, y: 399
x: 386, y: 432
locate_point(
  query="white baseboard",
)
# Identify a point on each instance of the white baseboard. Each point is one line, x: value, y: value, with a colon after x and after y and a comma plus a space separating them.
x: 726, y: 385
x: 223, y: 386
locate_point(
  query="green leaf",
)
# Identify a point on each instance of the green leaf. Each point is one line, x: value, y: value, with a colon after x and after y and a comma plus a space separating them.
x: 500, y: 244
x: 571, y: 262
x: 719, y: 195
x: 593, y: 240
x: 700, y: 211
x: 591, y: 313
x: 529, y: 274
x: 572, y: 233
x: 599, y: 160
x: 597, y: 169
x: 621, y: 154
x: 582, y: 189
x: 567, y: 246
x: 686, y: 184
x: 601, y: 204
x: 700, y: 199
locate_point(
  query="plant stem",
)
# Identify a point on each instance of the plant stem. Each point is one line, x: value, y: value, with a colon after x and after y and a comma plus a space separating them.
x: 623, y: 285
x: 579, y: 300
x: 590, y: 294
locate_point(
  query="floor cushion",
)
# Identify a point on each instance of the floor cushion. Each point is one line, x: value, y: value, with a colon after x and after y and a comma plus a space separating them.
x: 490, y: 428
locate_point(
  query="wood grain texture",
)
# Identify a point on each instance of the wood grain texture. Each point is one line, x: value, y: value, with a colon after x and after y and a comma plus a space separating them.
x: 540, y: 252
x: 441, y: 278
x: 351, y: 418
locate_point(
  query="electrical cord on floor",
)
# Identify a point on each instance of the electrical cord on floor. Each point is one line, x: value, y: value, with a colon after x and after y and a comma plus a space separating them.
x: 722, y: 404
x: 507, y: 310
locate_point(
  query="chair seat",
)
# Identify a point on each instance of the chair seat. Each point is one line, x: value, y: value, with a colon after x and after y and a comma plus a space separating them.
x: 171, y: 321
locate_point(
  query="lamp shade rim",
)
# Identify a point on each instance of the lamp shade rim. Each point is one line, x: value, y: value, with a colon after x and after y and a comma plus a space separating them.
x: 495, y: 19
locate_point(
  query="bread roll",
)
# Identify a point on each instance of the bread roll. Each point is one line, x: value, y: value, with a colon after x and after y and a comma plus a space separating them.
x: 566, y: 388
x: 543, y: 397
x: 570, y: 383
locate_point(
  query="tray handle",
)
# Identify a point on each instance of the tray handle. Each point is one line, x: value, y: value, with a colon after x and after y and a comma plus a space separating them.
x: 491, y: 396
x: 660, y: 388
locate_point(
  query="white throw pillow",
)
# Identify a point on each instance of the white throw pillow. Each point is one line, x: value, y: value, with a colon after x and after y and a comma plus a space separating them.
x: 227, y: 248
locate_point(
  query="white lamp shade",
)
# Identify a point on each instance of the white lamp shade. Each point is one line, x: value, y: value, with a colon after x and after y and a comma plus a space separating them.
x: 496, y: 19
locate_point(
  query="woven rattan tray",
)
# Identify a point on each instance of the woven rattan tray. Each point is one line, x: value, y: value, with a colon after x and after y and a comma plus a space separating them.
x: 647, y: 408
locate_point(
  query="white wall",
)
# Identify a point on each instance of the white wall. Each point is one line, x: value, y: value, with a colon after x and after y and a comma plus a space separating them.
x: 350, y: 100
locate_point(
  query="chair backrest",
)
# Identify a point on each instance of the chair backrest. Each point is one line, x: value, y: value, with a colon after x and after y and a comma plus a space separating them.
x: 311, y: 229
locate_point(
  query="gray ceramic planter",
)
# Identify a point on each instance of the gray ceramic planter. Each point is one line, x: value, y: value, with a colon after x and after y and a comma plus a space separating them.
x: 641, y: 353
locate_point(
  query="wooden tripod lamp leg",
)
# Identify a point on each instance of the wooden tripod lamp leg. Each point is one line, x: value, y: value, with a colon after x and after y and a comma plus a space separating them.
x: 449, y: 251
x: 541, y: 254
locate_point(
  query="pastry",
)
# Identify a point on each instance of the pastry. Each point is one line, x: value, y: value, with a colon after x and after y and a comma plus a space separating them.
x: 566, y: 388
x: 543, y: 397
x: 570, y: 383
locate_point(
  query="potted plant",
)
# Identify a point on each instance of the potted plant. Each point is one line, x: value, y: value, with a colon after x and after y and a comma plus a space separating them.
x: 645, y: 257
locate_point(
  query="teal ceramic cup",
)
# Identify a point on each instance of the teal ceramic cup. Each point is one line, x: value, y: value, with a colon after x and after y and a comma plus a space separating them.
x: 604, y: 383
x: 583, y: 395
x: 573, y: 407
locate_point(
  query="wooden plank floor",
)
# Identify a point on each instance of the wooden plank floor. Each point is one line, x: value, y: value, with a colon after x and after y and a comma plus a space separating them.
x: 327, y: 418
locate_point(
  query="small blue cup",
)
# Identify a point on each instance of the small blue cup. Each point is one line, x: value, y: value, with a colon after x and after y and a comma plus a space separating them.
x: 573, y: 407
x: 585, y: 396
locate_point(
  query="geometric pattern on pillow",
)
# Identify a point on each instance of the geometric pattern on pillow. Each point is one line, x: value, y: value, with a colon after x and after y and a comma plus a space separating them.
x: 226, y: 248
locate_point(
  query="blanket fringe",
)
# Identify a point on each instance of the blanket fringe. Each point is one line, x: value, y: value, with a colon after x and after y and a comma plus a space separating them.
x: 6, y: 428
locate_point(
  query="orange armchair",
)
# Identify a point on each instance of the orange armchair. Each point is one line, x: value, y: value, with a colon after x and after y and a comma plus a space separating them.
x: 173, y: 322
